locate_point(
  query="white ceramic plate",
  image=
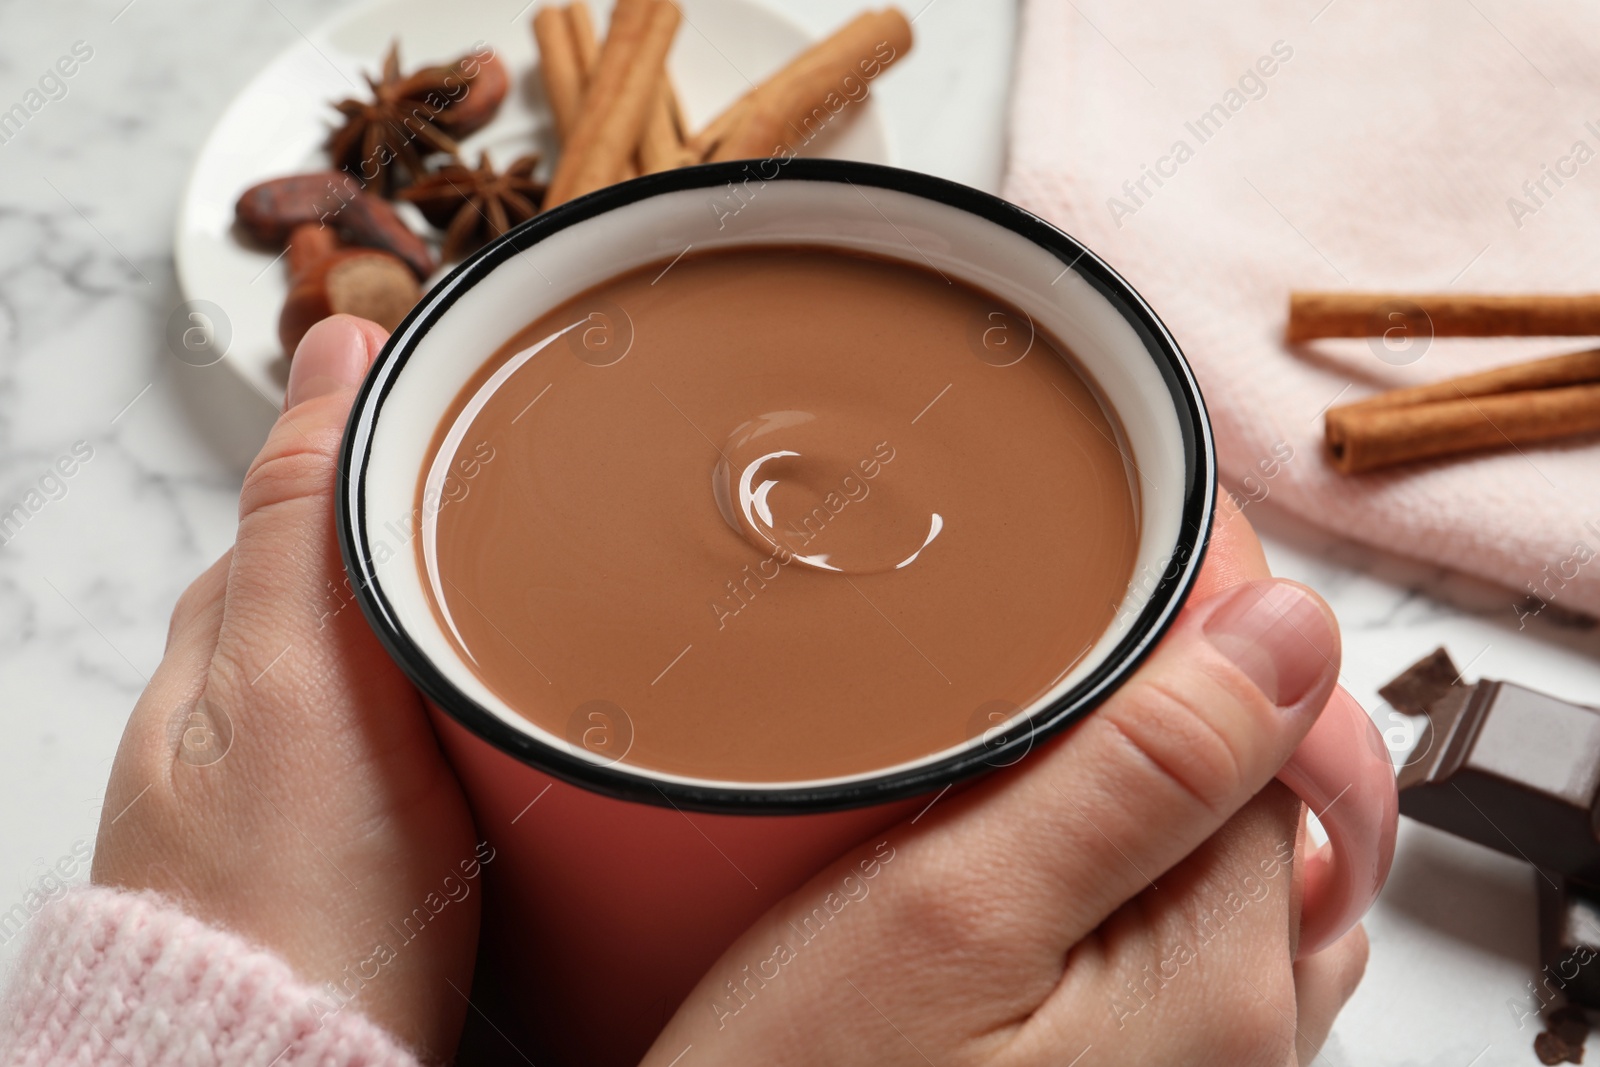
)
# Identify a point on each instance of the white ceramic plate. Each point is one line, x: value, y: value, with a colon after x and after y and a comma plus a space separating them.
x: 278, y: 124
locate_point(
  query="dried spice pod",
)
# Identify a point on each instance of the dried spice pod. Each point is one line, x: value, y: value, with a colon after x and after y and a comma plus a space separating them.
x: 484, y: 86
x: 358, y: 281
x: 475, y: 205
x: 385, y: 142
x: 270, y: 210
x: 374, y: 223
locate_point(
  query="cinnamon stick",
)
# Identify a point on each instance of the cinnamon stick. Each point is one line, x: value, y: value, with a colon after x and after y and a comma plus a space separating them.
x: 676, y: 107
x: 792, y: 107
x: 1367, y: 437
x: 560, y: 67
x: 589, y: 56
x: 617, y: 103
x: 703, y: 143
x: 661, y: 147
x: 1316, y: 314
x: 584, y: 37
x: 1574, y: 368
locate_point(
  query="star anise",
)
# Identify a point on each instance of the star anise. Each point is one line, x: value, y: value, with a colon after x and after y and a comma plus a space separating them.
x: 475, y: 205
x: 385, y: 142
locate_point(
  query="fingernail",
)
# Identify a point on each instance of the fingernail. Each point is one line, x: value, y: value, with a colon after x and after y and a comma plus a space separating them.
x: 331, y: 356
x: 1280, y: 634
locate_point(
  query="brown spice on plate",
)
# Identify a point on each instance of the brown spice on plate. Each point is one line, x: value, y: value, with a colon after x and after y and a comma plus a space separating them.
x: 354, y: 281
x: 617, y: 103
x: 561, y: 67
x: 271, y: 210
x: 386, y: 141
x: 476, y: 205
x: 485, y: 84
x: 810, y: 89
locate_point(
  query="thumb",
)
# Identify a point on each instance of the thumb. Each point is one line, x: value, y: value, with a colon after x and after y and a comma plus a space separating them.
x: 1197, y: 731
x: 288, y: 488
x: 333, y: 357
x: 286, y: 578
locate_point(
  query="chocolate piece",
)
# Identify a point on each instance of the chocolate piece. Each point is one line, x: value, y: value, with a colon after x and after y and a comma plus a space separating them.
x: 1423, y: 684
x: 1569, y: 939
x: 1512, y: 769
x: 1518, y: 771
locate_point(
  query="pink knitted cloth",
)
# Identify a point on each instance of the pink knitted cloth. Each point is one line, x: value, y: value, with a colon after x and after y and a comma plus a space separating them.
x: 111, y: 978
x: 1219, y: 156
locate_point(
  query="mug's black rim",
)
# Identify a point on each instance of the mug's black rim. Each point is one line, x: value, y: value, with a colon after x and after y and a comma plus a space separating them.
x: 1155, y: 616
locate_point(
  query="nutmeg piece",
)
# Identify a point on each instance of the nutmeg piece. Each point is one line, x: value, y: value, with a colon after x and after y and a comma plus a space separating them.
x: 358, y: 281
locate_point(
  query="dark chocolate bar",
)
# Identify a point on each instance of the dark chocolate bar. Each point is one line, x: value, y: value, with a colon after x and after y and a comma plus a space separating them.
x: 1512, y: 769
x: 1519, y: 771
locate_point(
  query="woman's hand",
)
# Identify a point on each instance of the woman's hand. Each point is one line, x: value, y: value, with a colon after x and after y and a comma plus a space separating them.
x: 1124, y: 895
x: 278, y: 777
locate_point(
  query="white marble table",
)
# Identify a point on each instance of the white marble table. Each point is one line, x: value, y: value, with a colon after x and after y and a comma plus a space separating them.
x: 88, y: 191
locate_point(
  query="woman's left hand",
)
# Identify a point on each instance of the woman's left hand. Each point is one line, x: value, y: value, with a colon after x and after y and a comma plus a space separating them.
x: 278, y: 778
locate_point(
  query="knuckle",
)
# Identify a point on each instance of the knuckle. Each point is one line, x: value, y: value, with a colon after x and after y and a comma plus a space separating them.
x: 956, y: 925
x: 189, y: 606
x: 291, y: 466
x: 205, y: 592
x: 139, y: 797
x: 228, y: 680
x: 1184, y: 734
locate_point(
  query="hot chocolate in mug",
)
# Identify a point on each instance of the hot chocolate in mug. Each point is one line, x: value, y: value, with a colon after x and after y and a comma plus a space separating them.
x: 627, y: 856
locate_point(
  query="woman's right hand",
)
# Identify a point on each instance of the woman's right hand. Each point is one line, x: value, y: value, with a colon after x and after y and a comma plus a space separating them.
x: 1124, y: 895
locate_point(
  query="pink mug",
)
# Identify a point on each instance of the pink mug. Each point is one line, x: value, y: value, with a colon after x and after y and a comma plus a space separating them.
x: 612, y: 889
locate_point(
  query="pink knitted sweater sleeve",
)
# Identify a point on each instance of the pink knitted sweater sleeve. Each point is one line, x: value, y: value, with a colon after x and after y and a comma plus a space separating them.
x: 114, y: 978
